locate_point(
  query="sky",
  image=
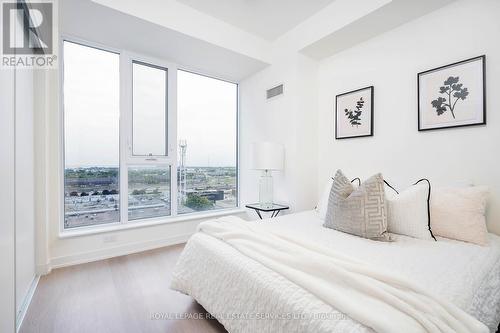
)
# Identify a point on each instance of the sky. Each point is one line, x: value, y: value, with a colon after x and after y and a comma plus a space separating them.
x: 149, y: 105
x: 206, y: 119
x: 206, y: 115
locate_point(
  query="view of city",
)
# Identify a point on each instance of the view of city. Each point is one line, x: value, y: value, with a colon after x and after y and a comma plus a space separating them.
x: 92, y: 193
x: 207, y: 188
x: 91, y: 196
x: 148, y: 192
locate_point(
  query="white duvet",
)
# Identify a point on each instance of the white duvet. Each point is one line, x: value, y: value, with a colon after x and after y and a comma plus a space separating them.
x: 246, y: 296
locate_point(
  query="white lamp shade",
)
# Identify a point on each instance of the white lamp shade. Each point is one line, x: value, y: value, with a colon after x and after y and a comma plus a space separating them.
x: 268, y: 156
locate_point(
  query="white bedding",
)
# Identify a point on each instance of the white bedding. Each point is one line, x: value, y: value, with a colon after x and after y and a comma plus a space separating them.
x: 241, y: 292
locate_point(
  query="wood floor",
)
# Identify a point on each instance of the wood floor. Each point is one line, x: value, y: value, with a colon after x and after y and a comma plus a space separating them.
x: 115, y: 295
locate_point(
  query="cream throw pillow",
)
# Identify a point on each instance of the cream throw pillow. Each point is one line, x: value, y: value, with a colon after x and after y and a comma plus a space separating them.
x: 459, y: 213
x: 408, y: 211
x: 359, y: 211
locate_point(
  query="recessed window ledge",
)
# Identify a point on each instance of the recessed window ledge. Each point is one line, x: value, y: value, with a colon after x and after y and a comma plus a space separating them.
x: 110, y: 227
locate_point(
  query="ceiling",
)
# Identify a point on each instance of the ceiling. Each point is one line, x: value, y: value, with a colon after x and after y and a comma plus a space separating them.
x: 268, y: 19
x: 127, y: 33
x: 378, y: 21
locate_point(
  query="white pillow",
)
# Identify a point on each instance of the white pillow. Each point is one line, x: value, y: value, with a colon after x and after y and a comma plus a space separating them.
x: 459, y: 213
x: 408, y: 211
x: 323, y: 200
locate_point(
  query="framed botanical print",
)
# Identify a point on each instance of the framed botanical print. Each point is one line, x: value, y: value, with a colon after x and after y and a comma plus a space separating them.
x: 453, y: 95
x: 354, y: 114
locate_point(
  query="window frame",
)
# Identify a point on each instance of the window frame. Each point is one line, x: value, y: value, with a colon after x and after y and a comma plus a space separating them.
x: 126, y: 157
x: 167, y: 97
x: 62, y: 162
x: 126, y: 132
x: 237, y: 152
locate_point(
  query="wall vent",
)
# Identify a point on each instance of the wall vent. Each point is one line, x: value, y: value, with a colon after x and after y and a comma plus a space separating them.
x: 274, y: 91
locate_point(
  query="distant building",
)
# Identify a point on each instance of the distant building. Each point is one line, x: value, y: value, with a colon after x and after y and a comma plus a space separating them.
x: 212, y: 195
x: 90, y: 181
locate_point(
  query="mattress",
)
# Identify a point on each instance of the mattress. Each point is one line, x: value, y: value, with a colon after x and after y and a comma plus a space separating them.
x: 246, y: 296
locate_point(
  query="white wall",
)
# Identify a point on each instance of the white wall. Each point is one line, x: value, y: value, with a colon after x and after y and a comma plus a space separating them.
x: 7, y: 202
x: 289, y: 119
x: 42, y: 171
x: 25, y: 182
x: 17, y: 239
x: 390, y: 63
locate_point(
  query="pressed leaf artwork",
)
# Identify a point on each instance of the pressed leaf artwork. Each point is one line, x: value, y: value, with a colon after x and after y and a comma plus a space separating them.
x: 354, y: 113
x: 452, y: 95
x: 354, y: 116
x: 453, y: 92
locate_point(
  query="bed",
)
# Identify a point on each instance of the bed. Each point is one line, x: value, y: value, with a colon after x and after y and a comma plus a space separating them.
x: 246, y: 296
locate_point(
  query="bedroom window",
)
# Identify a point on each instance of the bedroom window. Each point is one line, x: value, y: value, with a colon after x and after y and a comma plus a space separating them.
x: 207, y: 135
x: 91, y: 136
x: 131, y: 153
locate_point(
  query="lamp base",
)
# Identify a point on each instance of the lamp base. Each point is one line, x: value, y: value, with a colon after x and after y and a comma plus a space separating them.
x: 266, y: 189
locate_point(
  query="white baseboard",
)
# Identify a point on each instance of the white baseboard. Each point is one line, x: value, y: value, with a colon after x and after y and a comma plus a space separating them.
x: 43, y: 269
x: 116, y: 251
x: 26, y: 302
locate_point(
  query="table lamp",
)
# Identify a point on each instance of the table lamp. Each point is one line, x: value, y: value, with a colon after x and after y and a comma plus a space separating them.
x: 267, y: 156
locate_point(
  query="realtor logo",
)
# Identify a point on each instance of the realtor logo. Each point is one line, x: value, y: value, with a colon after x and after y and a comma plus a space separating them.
x: 28, y: 34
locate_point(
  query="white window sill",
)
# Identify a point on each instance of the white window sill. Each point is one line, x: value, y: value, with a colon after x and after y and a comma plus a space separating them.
x: 98, y: 229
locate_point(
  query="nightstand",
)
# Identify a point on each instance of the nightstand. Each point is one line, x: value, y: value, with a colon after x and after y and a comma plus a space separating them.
x: 275, y: 209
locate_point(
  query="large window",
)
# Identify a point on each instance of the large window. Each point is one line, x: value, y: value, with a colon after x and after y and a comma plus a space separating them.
x: 206, y: 131
x: 122, y: 159
x: 91, y: 136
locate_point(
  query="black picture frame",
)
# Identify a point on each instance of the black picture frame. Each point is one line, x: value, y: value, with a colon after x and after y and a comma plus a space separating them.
x: 481, y: 58
x: 371, y: 94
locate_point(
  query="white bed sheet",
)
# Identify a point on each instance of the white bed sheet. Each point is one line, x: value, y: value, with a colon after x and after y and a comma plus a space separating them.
x: 248, y: 297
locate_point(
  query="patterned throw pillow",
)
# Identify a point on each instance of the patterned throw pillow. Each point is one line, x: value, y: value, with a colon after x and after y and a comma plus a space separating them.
x: 358, y: 211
